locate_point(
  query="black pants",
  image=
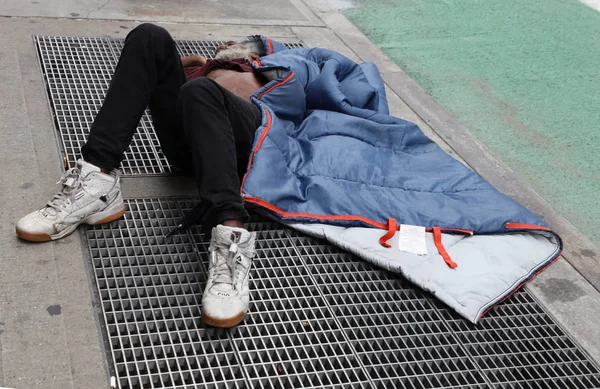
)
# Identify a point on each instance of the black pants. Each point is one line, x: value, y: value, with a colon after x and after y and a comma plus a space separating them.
x: 202, y: 127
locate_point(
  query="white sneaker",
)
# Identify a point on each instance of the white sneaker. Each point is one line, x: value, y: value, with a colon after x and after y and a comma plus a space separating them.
x: 227, y: 295
x: 87, y: 196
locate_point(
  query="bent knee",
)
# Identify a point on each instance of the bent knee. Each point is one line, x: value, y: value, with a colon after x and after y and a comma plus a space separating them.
x: 149, y: 30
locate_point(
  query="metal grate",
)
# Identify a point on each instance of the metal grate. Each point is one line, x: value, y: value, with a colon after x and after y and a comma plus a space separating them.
x: 78, y: 71
x: 320, y: 318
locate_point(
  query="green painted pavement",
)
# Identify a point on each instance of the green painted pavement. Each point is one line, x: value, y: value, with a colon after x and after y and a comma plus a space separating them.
x: 523, y: 75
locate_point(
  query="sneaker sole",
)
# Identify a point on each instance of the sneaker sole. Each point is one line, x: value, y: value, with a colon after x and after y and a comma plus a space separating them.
x: 223, y: 323
x: 31, y: 237
x: 41, y: 237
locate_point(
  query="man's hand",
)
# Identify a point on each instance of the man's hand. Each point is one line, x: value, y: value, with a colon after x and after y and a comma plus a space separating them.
x: 194, y: 60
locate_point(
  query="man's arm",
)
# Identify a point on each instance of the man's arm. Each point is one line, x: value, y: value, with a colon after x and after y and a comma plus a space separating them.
x: 194, y: 60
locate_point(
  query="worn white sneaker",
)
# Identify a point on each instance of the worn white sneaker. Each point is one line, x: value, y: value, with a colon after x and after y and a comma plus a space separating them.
x: 227, y: 295
x: 87, y: 196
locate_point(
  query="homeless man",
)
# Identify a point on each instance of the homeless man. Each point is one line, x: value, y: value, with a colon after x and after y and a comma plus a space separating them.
x: 205, y: 123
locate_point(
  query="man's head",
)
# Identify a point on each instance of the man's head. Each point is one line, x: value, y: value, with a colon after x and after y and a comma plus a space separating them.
x: 234, y: 50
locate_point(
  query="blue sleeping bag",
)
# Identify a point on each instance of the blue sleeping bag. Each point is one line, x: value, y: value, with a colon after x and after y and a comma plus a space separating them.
x: 329, y: 160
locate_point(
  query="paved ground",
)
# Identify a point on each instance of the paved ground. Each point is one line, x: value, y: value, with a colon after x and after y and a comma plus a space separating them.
x: 49, y: 332
x: 522, y: 75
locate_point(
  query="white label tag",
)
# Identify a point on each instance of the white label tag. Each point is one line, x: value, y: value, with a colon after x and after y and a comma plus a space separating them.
x: 412, y: 239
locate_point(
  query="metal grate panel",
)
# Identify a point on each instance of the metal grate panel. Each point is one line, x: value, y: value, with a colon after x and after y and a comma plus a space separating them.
x: 78, y: 71
x: 320, y: 318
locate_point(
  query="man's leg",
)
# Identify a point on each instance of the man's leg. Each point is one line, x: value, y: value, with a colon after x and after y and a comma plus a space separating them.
x: 149, y: 72
x: 220, y: 128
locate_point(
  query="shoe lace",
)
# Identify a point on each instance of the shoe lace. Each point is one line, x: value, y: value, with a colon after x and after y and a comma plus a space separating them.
x: 225, y: 266
x: 71, y: 183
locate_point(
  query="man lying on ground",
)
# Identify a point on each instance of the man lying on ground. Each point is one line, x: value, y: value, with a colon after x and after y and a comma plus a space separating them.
x: 205, y: 124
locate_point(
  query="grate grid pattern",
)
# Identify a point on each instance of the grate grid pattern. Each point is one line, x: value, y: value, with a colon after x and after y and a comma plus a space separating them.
x: 77, y: 71
x: 320, y: 318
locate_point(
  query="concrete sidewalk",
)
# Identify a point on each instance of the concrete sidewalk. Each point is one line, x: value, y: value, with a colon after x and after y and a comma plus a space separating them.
x: 50, y: 336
